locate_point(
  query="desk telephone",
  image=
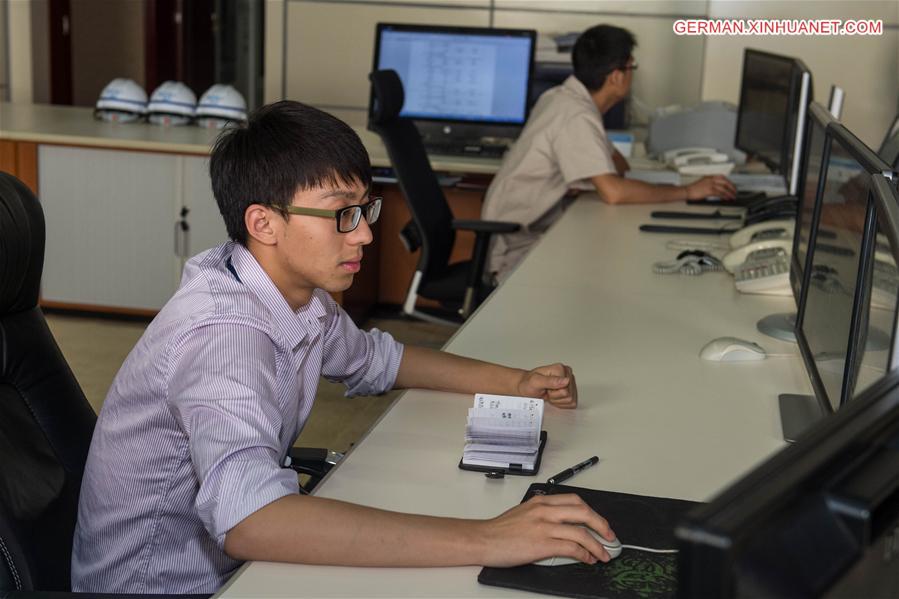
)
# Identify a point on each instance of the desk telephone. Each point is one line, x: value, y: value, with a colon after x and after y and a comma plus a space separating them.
x: 760, y: 260
x: 698, y: 161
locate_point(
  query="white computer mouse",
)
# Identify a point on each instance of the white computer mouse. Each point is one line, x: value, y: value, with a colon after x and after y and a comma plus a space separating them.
x: 731, y: 349
x: 613, y: 548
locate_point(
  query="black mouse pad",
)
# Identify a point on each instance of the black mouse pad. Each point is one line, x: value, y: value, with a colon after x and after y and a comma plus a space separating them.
x: 637, y: 520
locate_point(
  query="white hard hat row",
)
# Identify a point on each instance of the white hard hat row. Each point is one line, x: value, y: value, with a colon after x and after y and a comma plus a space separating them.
x: 172, y: 103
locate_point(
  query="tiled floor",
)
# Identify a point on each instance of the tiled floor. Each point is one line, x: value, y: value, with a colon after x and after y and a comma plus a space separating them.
x: 95, y: 349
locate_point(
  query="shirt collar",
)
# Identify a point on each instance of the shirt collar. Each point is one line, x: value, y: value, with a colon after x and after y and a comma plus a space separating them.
x: 292, y: 326
x: 574, y: 86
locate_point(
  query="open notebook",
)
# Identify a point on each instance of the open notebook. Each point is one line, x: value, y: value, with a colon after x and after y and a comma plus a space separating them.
x: 503, y: 433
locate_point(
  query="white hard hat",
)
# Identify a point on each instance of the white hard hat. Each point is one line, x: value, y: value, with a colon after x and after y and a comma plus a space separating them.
x: 121, y: 101
x: 221, y: 105
x: 172, y: 103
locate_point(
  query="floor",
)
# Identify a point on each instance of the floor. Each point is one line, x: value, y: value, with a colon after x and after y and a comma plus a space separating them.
x: 96, y: 347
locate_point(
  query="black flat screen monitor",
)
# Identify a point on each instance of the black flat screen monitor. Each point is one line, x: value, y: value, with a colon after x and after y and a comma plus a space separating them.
x: 880, y: 298
x: 830, y: 308
x: 817, y: 120
x: 817, y: 519
x: 464, y: 75
x: 769, y: 107
x: 889, y: 148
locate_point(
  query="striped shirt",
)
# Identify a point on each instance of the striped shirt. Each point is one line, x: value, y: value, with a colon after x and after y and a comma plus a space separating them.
x: 198, y: 421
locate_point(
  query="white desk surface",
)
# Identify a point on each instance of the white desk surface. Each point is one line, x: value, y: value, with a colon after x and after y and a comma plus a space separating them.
x: 662, y: 421
x: 76, y: 125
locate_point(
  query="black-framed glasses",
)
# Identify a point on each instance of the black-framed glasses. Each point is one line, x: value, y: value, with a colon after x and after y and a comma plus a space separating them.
x: 348, y: 217
x: 630, y: 67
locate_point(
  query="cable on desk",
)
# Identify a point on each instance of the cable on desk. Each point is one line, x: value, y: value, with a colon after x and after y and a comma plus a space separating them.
x: 649, y: 549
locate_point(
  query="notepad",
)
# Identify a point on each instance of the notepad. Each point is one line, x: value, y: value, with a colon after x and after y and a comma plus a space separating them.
x: 503, y: 432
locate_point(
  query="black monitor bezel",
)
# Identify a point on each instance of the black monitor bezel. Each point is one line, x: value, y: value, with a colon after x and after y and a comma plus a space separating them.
x: 888, y: 213
x: 712, y: 535
x: 872, y: 166
x: 823, y: 116
x: 463, y: 30
x: 793, y: 99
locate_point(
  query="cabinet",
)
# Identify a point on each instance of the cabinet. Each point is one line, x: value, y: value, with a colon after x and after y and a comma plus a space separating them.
x: 114, y: 218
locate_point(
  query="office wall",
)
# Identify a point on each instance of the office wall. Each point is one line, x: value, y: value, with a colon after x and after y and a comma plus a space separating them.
x: 327, y: 44
x: 19, y: 59
x: 866, y: 67
x: 670, y: 67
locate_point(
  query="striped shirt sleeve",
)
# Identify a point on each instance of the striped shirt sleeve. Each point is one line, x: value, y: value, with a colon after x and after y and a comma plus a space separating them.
x: 222, y: 393
x: 366, y: 362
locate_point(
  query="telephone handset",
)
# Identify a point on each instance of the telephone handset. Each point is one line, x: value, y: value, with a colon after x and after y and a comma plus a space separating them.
x: 671, y: 155
x: 772, y: 229
x: 756, y: 251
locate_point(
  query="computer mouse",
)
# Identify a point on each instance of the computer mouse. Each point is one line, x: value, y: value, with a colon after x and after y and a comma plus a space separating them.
x: 613, y: 548
x: 731, y: 349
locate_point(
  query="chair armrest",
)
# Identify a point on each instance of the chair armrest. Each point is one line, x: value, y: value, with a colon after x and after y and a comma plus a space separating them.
x: 312, y: 461
x: 485, y: 226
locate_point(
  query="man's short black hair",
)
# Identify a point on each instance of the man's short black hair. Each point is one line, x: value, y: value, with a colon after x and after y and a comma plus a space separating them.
x: 285, y: 147
x: 599, y: 51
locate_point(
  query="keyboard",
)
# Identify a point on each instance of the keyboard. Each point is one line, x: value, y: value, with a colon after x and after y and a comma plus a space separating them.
x: 465, y: 148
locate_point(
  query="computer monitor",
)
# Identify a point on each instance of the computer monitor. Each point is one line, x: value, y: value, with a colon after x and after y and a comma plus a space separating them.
x: 817, y: 519
x: 880, y: 300
x: 460, y: 81
x: 773, y: 91
x: 782, y: 325
x: 829, y: 308
x: 889, y: 148
x: 833, y: 306
x: 835, y: 102
x: 814, y: 156
x: 802, y: 77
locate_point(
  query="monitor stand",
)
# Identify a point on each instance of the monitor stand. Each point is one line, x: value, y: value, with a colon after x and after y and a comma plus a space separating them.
x: 782, y: 325
x: 797, y: 413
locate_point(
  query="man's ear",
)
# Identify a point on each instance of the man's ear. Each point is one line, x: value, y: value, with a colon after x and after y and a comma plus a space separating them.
x: 261, y: 223
x: 616, y: 77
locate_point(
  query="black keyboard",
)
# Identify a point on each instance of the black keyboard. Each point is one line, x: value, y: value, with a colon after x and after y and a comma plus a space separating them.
x: 465, y: 148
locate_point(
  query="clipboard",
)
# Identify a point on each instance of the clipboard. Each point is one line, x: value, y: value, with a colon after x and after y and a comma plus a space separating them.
x: 515, y: 469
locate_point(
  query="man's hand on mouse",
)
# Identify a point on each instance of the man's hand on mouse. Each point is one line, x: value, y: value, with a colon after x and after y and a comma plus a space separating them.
x: 554, y: 383
x: 544, y: 526
x: 711, y: 186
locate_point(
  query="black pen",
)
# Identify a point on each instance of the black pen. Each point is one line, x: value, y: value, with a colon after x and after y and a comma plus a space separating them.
x: 569, y: 472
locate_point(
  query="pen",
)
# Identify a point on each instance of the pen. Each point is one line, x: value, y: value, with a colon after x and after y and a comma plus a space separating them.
x: 569, y: 472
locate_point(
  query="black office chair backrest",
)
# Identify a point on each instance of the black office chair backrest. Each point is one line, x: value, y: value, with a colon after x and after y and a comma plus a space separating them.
x: 417, y: 180
x: 45, y: 421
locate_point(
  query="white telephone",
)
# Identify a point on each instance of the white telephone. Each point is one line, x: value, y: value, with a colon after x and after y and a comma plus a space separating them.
x: 712, y: 157
x: 755, y: 251
x: 769, y: 275
x: 760, y: 260
x: 670, y: 156
x: 770, y: 229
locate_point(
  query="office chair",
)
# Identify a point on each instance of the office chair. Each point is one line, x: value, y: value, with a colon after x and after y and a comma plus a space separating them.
x: 46, y: 423
x: 459, y: 287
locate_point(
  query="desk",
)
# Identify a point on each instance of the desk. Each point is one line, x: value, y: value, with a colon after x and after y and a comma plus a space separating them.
x: 662, y: 421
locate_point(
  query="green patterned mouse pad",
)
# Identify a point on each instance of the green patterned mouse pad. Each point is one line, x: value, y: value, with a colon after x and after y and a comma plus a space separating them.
x: 637, y: 520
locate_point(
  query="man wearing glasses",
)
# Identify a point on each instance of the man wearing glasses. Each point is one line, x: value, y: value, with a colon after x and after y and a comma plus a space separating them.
x: 184, y: 479
x: 564, y: 142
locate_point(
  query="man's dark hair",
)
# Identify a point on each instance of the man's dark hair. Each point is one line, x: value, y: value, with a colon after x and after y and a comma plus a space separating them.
x: 285, y: 147
x: 599, y: 51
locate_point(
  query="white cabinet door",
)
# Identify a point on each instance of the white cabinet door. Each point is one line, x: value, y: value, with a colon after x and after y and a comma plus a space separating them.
x: 207, y: 228
x: 110, y: 226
